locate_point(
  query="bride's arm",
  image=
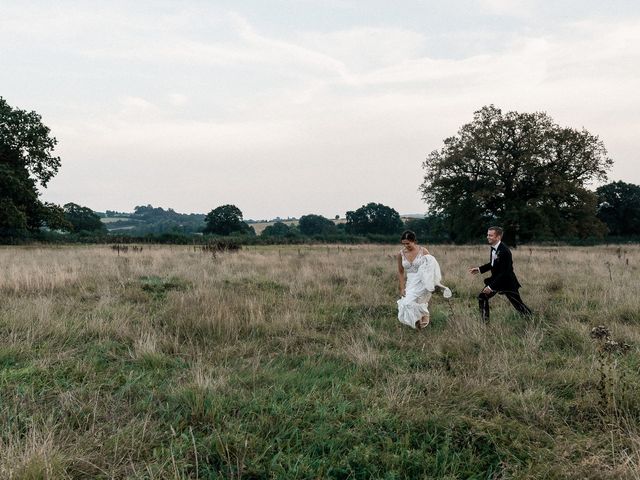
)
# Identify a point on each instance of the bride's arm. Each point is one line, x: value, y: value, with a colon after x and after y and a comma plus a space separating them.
x: 401, y: 279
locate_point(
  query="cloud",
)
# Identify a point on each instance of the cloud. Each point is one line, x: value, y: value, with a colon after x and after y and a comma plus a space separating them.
x: 177, y: 99
x: 511, y: 8
x: 322, y: 120
x: 362, y: 48
x: 289, y: 53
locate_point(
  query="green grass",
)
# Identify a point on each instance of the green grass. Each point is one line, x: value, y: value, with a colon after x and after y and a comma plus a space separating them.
x: 272, y: 364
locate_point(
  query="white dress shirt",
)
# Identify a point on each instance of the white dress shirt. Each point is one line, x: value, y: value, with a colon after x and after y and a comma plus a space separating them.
x: 494, y: 253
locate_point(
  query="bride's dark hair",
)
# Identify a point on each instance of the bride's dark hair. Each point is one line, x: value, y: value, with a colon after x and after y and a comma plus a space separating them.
x: 408, y: 235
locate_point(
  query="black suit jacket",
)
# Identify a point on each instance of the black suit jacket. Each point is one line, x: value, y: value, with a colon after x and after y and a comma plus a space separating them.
x: 503, y: 278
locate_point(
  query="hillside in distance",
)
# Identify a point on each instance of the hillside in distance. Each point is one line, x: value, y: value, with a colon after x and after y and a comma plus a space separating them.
x: 148, y: 219
x: 156, y: 220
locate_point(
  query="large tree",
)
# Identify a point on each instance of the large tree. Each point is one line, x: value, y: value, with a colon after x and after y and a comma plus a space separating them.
x: 278, y: 229
x: 374, y: 218
x: 226, y: 220
x: 315, y: 225
x: 26, y: 162
x: 619, y: 207
x: 520, y: 170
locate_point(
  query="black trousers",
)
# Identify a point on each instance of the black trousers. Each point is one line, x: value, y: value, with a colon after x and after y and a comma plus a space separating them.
x: 513, y: 296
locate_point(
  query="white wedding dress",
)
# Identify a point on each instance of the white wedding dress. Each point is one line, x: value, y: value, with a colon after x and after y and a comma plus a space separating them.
x: 423, y: 276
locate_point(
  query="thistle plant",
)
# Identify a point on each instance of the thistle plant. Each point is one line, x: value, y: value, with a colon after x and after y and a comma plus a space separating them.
x: 609, y: 351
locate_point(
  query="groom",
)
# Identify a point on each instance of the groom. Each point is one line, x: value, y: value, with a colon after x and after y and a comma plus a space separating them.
x: 502, y: 280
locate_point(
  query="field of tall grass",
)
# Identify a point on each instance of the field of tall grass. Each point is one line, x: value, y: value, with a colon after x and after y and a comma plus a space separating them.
x: 289, y: 363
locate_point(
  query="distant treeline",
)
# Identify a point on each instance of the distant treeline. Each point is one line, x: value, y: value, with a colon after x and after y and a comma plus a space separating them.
x: 309, y: 229
x: 619, y: 210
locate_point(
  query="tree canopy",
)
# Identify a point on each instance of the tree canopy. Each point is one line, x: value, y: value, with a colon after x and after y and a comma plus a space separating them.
x: 83, y: 219
x: 374, y: 218
x: 26, y: 161
x: 431, y: 228
x: 315, y: 225
x: 278, y: 229
x: 520, y: 170
x: 619, y: 207
x: 226, y: 220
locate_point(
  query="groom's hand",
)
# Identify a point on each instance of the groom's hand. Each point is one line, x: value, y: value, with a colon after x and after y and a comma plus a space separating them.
x: 486, y: 290
x: 474, y: 270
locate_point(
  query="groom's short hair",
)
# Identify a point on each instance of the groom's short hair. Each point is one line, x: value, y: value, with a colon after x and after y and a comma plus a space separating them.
x: 499, y: 231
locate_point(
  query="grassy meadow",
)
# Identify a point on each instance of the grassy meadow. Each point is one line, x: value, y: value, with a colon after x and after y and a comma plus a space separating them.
x: 289, y: 363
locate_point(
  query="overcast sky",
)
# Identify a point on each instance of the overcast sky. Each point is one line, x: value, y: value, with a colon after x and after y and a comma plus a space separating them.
x: 290, y: 107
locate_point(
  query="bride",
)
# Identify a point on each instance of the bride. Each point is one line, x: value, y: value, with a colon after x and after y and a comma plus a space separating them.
x: 422, y: 277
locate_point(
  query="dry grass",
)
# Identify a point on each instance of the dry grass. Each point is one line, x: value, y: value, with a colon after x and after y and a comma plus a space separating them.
x: 288, y: 362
